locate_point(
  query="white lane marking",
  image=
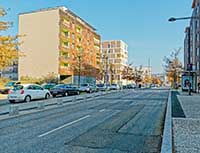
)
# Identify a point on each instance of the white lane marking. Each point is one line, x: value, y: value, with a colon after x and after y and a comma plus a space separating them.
x: 63, y: 126
x: 102, y: 110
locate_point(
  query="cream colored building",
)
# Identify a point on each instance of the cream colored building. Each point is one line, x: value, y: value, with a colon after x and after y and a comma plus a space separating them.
x: 115, y: 58
x: 53, y: 40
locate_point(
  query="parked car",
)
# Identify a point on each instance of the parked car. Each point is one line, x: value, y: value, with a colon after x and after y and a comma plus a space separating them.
x: 8, y: 86
x: 93, y: 88
x: 27, y: 92
x: 114, y: 87
x: 48, y: 85
x: 87, y: 88
x: 131, y: 86
x: 64, y: 90
x: 102, y: 87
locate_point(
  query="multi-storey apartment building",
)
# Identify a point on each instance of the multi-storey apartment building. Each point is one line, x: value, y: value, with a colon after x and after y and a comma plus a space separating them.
x: 115, y: 58
x: 57, y: 40
x: 192, y: 47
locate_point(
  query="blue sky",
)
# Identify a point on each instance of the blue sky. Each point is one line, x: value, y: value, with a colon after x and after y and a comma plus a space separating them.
x: 142, y: 24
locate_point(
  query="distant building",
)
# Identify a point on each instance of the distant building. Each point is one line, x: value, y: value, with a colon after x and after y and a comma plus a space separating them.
x: 115, y: 58
x: 162, y: 77
x: 54, y: 39
x: 147, y: 71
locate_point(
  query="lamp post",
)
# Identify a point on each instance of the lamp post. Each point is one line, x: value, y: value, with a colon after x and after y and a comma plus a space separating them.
x: 173, y: 19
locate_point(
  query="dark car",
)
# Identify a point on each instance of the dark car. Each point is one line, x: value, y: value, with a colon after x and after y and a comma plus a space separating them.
x: 48, y: 85
x: 64, y: 90
x: 8, y: 86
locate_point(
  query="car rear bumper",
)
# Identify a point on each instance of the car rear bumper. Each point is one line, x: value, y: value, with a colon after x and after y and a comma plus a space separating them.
x: 16, y: 97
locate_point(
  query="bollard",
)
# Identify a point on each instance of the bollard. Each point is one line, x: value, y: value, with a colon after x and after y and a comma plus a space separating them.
x: 59, y: 101
x: 13, y: 110
x: 40, y: 105
x: 85, y: 98
x: 74, y: 99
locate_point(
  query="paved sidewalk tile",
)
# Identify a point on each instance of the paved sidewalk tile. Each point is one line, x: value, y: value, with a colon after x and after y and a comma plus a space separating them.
x: 186, y: 135
x: 190, y: 105
x: 186, y: 131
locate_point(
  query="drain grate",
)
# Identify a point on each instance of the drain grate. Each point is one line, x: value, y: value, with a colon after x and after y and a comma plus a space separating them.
x: 177, y: 110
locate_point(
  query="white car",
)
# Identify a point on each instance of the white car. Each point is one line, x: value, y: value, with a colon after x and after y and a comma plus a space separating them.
x: 114, y: 87
x: 27, y: 92
x: 85, y: 88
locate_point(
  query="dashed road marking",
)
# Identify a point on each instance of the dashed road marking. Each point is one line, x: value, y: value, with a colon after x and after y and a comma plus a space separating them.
x: 63, y: 126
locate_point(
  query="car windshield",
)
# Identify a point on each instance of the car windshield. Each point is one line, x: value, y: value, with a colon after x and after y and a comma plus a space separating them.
x: 84, y: 85
x: 100, y: 85
x: 59, y: 86
x: 18, y: 87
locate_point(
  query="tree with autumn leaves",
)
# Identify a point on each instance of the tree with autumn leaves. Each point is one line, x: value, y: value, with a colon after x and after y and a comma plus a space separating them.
x: 173, y: 68
x: 8, y: 44
x: 132, y: 74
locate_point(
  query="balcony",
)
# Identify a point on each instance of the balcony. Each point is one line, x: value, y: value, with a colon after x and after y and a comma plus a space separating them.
x: 97, y: 47
x: 96, y: 41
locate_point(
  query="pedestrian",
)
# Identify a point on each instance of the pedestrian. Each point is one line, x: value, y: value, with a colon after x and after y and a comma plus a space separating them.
x: 198, y: 86
x: 189, y: 88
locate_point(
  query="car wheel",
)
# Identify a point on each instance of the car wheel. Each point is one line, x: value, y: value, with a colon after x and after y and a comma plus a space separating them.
x: 11, y: 101
x: 27, y: 99
x: 47, y: 96
x: 54, y: 96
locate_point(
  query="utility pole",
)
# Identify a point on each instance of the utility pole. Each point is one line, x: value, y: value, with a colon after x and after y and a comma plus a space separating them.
x: 79, y: 70
x: 149, y: 66
x: 106, y: 75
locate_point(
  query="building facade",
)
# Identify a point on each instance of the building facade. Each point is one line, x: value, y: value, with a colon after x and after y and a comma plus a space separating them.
x: 115, y: 58
x: 57, y: 40
x: 192, y: 47
x: 187, y: 50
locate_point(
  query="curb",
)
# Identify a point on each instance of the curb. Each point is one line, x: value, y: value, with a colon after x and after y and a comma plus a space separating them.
x: 167, y: 134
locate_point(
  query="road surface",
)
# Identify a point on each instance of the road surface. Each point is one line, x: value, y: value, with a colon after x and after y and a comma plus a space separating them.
x: 125, y: 122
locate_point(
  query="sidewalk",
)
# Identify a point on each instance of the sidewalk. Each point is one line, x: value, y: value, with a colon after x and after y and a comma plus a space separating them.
x: 186, y: 131
x: 3, y: 96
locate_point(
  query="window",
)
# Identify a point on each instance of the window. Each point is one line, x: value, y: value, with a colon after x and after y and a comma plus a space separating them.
x: 66, y: 22
x: 108, y: 45
x: 73, y: 25
x: 73, y: 36
x: 78, y: 29
x: 73, y: 45
x: 66, y: 44
x: 66, y: 64
x: 79, y: 39
x: 66, y: 34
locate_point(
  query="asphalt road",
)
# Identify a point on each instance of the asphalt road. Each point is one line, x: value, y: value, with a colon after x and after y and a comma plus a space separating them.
x: 126, y: 122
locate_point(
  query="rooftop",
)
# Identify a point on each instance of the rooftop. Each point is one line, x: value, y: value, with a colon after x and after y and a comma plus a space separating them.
x: 63, y: 8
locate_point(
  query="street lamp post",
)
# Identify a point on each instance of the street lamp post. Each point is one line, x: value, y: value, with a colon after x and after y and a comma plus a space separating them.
x: 173, y: 19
